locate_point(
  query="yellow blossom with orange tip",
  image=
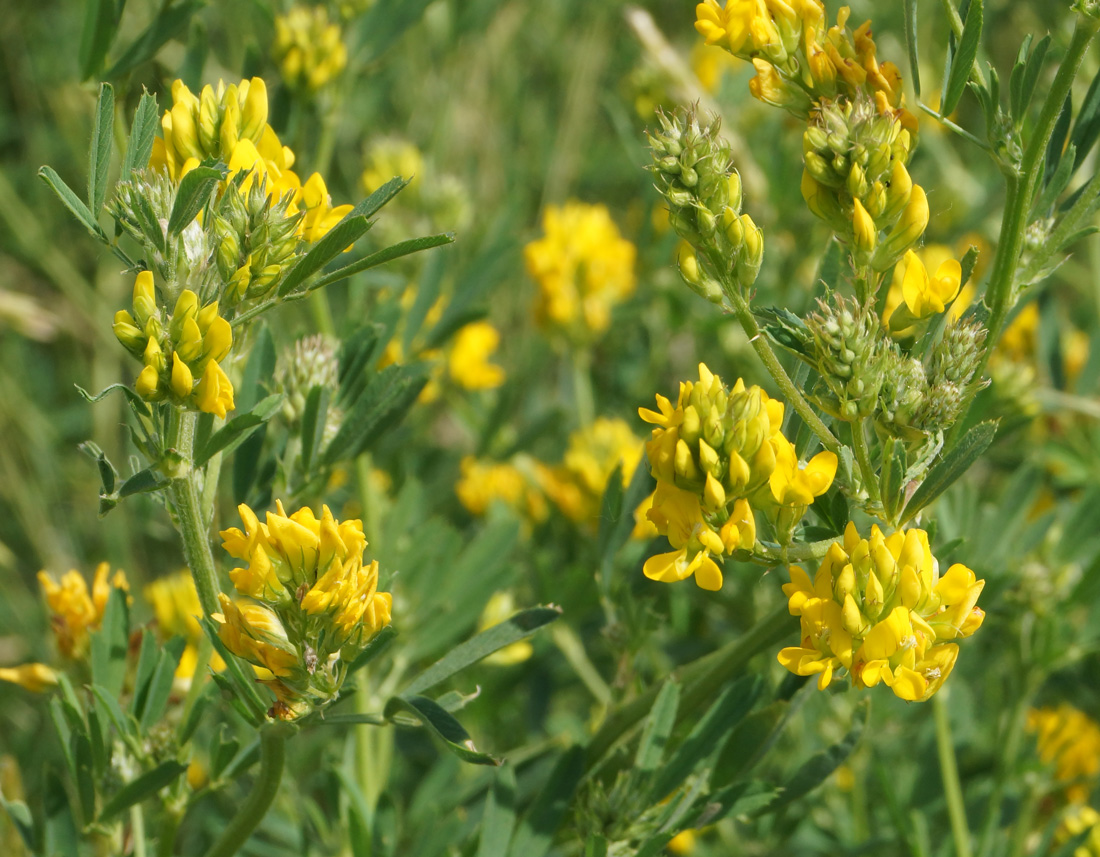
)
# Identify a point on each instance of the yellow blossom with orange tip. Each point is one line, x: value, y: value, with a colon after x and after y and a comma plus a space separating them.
x: 879, y: 609
x: 73, y: 610
x: 1070, y: 739
x: 37, y: 678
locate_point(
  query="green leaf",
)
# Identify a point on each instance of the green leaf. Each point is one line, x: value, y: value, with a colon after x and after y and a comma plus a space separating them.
x: 223, y: 749
x: 1058, y: 138
x: 147, y: 663
x: 788, y: 330
x: 748, y: 743
x: 373, y: 203
x: 143, y: 482
x: 656, y: 732
x: 1056, y: 183
x: 1032, y: 72
x: 109, y: 703
x: 142, y: 133
x: 259, y: 370
x: 338, y: 239
x: 726, y: 712
x: 818, y: 767
x: 100, y: 155
x: 378, y: 644
x: 21, y: 818
x: 234, y: 432
x: 1086, y: 127
x: 383, y: 404
x: 136, y: 402
x: 192, y: 197
x: 142, y: 788
x: 72, y: 202
x: 1016, y: 80
x: 111, y: 643
x: 911, y: 43
x: 83, y: 776
x: 160, y: 683
x: 108, y: 475
x: 963, y: 61
x: 171, y: 20
x: 596, y: 846
x: 499, y: 818
x: 387, y: 254
x: 541, y: 821
x: 954, y: 464
x: 443, y: 725
x: 617, y: 517
x: 313, y: 424
x: 521, y: 625
x: 101, y: 19
x: 892, y: 478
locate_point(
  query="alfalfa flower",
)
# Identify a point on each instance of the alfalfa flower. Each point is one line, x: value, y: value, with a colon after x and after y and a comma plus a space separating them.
x: 319, y: 602
x: 468, y: 362
x: 1070, y: 739
x: 879, y: 608
x: 925, y: 294
x: 74, y: 611
x: 583, y: 267
x: 308, y: 48
x: 37, y: 678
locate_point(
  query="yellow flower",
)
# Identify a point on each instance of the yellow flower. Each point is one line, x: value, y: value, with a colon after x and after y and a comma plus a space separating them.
x: 794, y: 484
x: 75, y: 612
x: 176, y: 606
x: 468, y: 362
x: 481, y: 483
x: 214, y: 393
x: 1070, y: 739
x: 583, y: 267
x: 924, y: 295
x: 37, y: 678
x: 308, y: 49
x: 729, y: 25
x: 577, y: 485
x: 320, y: 215
x: 878, y: 608
x: 500, y: 608
x: 1076, y: 819
x: 933, y: 256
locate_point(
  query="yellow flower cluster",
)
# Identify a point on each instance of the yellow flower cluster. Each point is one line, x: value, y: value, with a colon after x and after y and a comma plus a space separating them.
x: 308, y: 49
x: 1070, y: 739
x: 514, y: 484
x: 319, y: 605
x: 468, y: 360
x: 73, y: 610
x: 716, y: 454
x: 583, y: 267
x: 577, y: 485
x: 879, y: 608
x: 177, y: 349
x: 229, y: 124
x: 176, y: 606
x: 798, y: 60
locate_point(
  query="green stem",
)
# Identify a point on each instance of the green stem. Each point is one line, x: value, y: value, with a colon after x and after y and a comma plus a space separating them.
x: 863, y: 456
x: 782, y: 380
x: 1021, y: 186
x: 166, y: 836
x: 192, y: 526
x: 137, y: 830
x: 583, y: 400
x: 956, y: 809
x: 272, y: 756
x: 793, y: 553
x: 702, y: 679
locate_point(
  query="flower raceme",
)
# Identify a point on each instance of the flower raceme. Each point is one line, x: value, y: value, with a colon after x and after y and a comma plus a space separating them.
x: 879, y: 608
x: 716, y: 454
x: 1070, y: 739
x: 308, y: 48
x: 73, y: 610
x: 318, y: 607
x: 181, y: 352
x: 583, y: 268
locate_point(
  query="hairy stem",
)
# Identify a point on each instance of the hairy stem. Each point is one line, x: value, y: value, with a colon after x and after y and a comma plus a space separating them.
x: 782, y: 380
x: 187, y: 501
x: 272, y: 756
